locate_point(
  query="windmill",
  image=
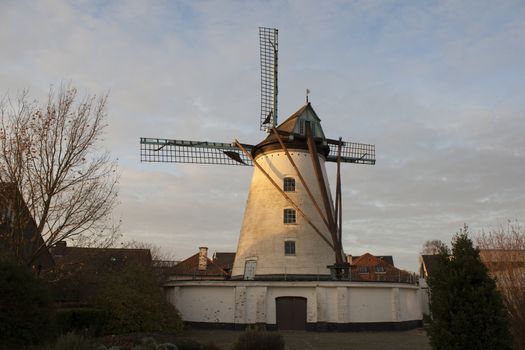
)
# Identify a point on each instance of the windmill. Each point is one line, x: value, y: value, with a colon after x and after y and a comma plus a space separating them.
x: 291, y: 226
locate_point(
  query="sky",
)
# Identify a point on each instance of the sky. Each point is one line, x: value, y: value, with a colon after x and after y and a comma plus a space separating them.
x: 437, y: 86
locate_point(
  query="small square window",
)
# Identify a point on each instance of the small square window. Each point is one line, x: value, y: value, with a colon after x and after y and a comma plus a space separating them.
x: 289, y: 247
x: 380, y: 269
x: 289, y: 216
x: 289, y: 184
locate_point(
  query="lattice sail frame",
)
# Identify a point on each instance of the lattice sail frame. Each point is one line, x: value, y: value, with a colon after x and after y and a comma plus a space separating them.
x: 268, y: 38
x: 352, y: 152
x: 204, y: 152
x: 196, y: 152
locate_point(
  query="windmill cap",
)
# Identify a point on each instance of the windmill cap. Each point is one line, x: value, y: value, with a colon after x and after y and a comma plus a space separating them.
x: 295, y: 126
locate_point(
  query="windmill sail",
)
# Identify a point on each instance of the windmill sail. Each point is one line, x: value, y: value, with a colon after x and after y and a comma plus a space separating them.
x: 277, y: 212
x: 269, y: 48
x: 196, y: 152
x: 352, y: 152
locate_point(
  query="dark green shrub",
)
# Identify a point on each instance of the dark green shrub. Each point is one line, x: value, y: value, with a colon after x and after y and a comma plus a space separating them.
x: 467, y: 310
x: 256, y: 340
x: 134, y: 302
x: 187, y: 344
x: 146, y: 343
x: 211, y: 346
x: 70, y: 341
x: 167, y: 346
x: 25, y: 306
x: 80, y: 319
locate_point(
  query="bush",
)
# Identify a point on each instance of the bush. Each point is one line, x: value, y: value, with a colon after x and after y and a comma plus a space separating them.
x: 166, y: 346
x: 211, y: 346
x: 80, y: 319
x: 149, y: 343
x: 187, y: 344
x: 25, y: 306
x: 70, y: 341
x: 256, y: 340
x: 134, y: 302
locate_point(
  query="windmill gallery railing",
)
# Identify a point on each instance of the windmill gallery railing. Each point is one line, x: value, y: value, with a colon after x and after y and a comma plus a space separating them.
x: 393, y: 276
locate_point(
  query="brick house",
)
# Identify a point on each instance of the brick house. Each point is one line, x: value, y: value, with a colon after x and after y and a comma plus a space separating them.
x: 368, y: 267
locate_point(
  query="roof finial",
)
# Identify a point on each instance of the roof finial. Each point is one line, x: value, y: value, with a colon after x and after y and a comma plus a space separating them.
x: 307, y: 92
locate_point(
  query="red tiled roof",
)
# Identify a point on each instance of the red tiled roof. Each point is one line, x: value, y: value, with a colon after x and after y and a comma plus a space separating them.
x: 369, y: 259
x: 386, y: 258
x: 190, y: 267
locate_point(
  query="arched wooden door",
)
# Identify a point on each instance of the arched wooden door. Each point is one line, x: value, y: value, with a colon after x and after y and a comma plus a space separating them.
x: 291, y: 313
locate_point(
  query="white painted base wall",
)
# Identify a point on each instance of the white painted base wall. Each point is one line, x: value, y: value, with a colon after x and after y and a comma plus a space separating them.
x: 425, y: 296
x: 251, y: 302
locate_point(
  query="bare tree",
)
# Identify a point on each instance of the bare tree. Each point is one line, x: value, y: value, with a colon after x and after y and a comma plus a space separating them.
x: 503, y: 252
x: 51, y: 154
x: 432, y: 247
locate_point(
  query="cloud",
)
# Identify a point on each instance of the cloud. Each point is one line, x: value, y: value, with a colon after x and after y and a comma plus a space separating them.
x: 438, y: 88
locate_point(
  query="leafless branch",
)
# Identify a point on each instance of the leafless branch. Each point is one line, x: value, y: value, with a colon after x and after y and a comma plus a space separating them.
x: 52, y: 154
x: 503, y: 251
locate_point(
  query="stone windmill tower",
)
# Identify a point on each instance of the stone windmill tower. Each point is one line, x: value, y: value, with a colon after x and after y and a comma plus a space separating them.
x: 292, y: 226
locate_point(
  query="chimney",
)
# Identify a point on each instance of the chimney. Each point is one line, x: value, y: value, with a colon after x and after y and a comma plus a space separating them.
x: 349, y: 259
x: 59, y: 249
x: 203, y: 258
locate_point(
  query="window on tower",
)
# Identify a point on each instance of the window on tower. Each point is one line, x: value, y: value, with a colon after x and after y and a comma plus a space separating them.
x: 249, y: 269
x: 289, y: 247
x: 289, y: 184
x: 289, y: 216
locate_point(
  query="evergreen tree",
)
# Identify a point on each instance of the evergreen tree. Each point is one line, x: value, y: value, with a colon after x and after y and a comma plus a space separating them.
x: 467, y: 310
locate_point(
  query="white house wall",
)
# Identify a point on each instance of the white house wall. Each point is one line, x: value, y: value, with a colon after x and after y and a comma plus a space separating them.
x: 370, y: 305
x: 410, y: 304
x: 212, y: 304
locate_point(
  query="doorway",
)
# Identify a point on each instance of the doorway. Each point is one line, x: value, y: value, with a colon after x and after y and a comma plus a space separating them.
x: 291, y: 313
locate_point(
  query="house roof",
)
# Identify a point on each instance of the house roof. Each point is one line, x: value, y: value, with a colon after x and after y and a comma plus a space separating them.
x: 98, y: 259
x: 224, y: 260
x: 306, y: 112
x: 190, y: 267
x: 386, y: 258
x: 12, y: 203
x: 502, y: 259
x: 501, y: 255
x: 429, y: 263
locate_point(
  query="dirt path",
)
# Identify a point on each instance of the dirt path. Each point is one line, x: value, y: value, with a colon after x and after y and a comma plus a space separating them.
x: 408, y: 340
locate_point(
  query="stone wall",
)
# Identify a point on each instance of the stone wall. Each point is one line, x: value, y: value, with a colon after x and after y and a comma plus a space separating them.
x: 330, y: 304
